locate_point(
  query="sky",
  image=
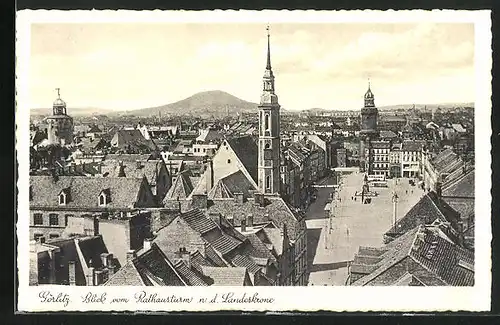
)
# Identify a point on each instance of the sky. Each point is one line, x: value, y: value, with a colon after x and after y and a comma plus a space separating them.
x: 131, y: 66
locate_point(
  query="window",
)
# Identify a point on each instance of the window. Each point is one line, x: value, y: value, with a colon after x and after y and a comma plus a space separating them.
x: 53, y: 219
x: 37, y: 236
x: 229, y: 161
x: 37, y: 219
x: 62, y: 199
x: 268, y: 182
x: 52, y: 236
x: 266, y: 122
x: 102, y: 199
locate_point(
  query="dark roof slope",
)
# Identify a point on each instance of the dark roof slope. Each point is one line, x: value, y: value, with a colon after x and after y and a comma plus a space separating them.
x: 247, y: 151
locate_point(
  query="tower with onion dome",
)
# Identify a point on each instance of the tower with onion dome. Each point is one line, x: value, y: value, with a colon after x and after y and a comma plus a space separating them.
x: 59, y: 124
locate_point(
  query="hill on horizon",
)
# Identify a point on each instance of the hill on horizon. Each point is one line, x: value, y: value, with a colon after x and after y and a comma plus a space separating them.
x: 214, y: 102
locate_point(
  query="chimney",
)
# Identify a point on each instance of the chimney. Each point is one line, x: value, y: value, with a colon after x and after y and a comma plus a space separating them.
x: 90, y: 276
x: 243, y: 225
x: 259, y: 199
x: 72, y: 273
x: 147, y: 244
x: 210, y: 175
x: 249, y: 220
x: 183, y: 255
x: 131, y: 254
x: 238, y: 198
x: 438, y: 189
x: 199, y: 201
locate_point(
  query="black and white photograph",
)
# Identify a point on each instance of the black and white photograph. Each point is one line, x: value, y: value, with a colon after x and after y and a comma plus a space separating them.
x: 324, y: 154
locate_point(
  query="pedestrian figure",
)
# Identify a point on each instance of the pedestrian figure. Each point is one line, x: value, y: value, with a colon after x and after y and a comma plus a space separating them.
x: 411, y: 191
x: 347, y: 231
x: 354, y: 198
x: 406, y: 191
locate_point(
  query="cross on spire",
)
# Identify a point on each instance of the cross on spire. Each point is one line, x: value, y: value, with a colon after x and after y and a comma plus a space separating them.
x: 58, y: 94
x: 368, y: 82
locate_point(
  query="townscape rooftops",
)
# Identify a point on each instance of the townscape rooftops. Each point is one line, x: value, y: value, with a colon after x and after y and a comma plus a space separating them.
x: 413, y: 145
x: 438, y: 261
x: 387, y: 134
x: 275, y: 210
x: 138, y: 169
x: 227, y: 276
x: 181, y: 188
x: 460, y: 187
x: 128, y: 157
x: 429, y: 208
x: 191, y: 276
x: 228, y: 186
x: 84, y: 191
x: 151, y: 267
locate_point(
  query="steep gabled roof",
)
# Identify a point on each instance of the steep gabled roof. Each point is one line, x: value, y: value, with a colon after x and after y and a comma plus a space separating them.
x: 191, y: 276
x: 461, y: 186
x: 228, y: 186
x: 181, y: 187
x: 438, y: 260
x: 246, y: 150
x: 137, y: 169
x: 151, y: 267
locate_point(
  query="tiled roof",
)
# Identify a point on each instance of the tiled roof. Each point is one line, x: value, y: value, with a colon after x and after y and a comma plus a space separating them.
x: 128, y: 157
x: 226, y: 276
x: 137, y: 169
x: 387, y: 134
x: 464, y: 206
x: 198, y: 221
x: 228, y: 186
x: 243, y: 261
x: 214, y: 257
x: 257, y: 248
x: 413, y: 145
x: 91, y: 248
x: 127, y: 275
x: 190, y: 276
x: 208, y: 135
x: 438, y: 260
x: 84, y: 191
x: 152, y: 267
x: 225, y: 244
x: 275, y: 210
x: 246, y: 150
x: 181, y: 187
x: 381, y: 144
x: 198, y: 260
x: 461, y: 187
x: 429, y: 208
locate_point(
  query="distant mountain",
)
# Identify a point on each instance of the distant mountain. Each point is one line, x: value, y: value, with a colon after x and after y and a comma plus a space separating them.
x: 72, y: 111
x: 215, y: 102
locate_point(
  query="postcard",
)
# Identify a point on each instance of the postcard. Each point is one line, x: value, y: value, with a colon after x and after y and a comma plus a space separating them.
x: 253, y: 160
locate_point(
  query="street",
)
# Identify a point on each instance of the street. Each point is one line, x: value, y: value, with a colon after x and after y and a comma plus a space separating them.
x: 333, y: 241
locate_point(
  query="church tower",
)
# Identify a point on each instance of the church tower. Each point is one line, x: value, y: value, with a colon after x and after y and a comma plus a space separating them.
x: 269, y: 132
x: 368, y: 131
x: 59, y: 124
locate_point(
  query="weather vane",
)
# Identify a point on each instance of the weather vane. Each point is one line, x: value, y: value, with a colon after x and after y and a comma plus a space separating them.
x: 58, y: 94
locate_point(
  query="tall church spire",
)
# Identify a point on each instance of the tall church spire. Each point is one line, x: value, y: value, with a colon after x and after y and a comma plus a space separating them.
x: 268, y: 66
x: 269, y: 132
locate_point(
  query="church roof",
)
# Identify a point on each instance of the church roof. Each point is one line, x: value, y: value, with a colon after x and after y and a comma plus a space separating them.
x: 246, y: 150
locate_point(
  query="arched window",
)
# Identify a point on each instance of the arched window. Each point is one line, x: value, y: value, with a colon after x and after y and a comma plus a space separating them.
x: 62, y: 198
x: 266, y: 122
x: 102, y: 199
x: 267, y: 146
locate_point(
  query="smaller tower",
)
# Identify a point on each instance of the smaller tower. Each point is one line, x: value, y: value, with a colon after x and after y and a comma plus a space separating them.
x: 59, y: 124
x: 368, y: 131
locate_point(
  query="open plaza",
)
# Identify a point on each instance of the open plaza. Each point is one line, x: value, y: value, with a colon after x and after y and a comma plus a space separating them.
x: 335, y: 235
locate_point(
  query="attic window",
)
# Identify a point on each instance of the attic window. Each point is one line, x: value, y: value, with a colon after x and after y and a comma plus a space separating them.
x: 104, y: 197
x: 466, y: 265
x: 64, y: 196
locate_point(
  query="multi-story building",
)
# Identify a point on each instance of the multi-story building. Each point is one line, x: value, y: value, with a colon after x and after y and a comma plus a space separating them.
x: 411, y: 156
x: 381, y: 151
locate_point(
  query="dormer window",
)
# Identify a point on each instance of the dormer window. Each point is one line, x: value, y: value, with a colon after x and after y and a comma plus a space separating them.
x: 64, y: 196
x: 104, y: 197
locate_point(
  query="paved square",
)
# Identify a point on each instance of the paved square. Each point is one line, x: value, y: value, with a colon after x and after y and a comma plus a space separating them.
x: 335, y: 240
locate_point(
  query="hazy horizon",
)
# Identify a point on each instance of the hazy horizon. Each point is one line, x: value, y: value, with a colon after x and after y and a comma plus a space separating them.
x: 132, y: 66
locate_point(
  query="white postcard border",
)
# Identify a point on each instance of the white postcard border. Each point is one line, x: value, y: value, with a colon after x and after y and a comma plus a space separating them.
x: 311, y: 298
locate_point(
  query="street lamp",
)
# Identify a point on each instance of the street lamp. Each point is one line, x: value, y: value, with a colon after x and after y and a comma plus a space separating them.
x: 394, y: 207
